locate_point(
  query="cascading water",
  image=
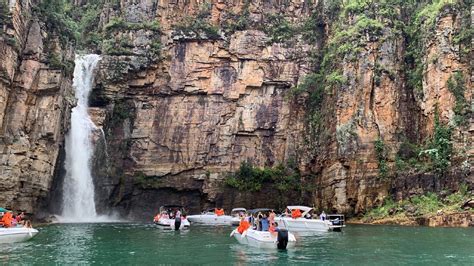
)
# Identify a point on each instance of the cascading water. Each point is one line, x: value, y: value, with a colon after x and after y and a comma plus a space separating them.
x: 78, y: 189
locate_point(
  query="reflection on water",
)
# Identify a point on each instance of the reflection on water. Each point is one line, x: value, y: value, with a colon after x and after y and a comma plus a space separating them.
x: 76, y: 243
x: 130, y: 243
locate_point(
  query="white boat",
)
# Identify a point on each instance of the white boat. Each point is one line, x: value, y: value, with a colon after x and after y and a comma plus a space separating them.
x: 264, y: 239
x: 236, y: 213
x: 16, y: 234
x: 306, y: 223
x: 210, y: 217
x: 166, y: 220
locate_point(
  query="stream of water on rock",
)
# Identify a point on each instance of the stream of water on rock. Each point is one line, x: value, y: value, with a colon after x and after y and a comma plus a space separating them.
x: 78, y: 190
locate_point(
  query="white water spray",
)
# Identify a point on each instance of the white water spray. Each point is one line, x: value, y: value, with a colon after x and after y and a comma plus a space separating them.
x: 78, y: 188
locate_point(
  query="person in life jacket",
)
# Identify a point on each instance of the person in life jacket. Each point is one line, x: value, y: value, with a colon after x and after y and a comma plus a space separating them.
x: 7, y: 219
x: 295, y: 213
x: 273, y: 227
x: 219, y: 212
x: 156, y: 218
x: 243, y: 225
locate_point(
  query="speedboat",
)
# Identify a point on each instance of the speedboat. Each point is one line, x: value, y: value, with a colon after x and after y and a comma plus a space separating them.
x: 236, y: 214
x: 306, y: 223
x: 210, y: 217
x: 167, y: 218
x: 264, y: 239
x: 16, y: 234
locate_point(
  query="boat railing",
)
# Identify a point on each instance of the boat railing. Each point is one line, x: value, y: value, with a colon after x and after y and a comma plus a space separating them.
x: 337, y: 220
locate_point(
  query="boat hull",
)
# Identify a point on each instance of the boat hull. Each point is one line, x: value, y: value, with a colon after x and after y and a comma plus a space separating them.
x: 169, y: 224
x: 16, y: 234
x: 262, y: 239
x: 235, y: 221
x: 211, y: 219
x: 303, y: 225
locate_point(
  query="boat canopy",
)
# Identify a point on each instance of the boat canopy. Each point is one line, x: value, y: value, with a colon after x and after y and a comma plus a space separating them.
x: 301, y: 208
x: 305, y: 209
x: 239, y: 210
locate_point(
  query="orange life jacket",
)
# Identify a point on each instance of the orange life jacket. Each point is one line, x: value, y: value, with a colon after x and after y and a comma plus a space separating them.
x: 7, y: 219
x: 244, y: 225
x: 157, y: 217
x: 271, y: 229
x: 219, y: 212
x: 295, y: 213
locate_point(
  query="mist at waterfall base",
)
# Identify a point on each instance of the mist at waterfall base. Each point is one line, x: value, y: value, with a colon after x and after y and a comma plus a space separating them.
x: 78, y: 188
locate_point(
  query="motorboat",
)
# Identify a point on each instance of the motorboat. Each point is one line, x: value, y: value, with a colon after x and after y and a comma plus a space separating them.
x: 281, y: 239
x: 249, y: 232
x: 171, y: 217
x: 211, y: 217
x: 236, y: 214
x: 16, y: 234
x: 306, y: 222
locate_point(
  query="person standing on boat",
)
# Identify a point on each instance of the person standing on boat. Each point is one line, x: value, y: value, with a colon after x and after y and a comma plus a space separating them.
x: 265, y: 224
x: 322, y: 216
x: 271, y: 217
x: 258, y: 221
x: 244, y: 225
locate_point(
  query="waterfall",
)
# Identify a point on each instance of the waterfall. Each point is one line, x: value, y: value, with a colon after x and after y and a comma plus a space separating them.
x: 78, y: 188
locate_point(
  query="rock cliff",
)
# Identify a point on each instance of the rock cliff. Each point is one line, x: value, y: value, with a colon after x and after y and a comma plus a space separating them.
x: 35, y: 102
x: 336, y: 104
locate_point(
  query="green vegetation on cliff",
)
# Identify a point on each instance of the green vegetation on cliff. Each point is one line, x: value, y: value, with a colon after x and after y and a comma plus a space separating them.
x: 457, y: 86
x: 80, y: 26
x: 3, y: 14
x: 360, y: 27
x: 434, y: 155
x: 250, y: 178
x: 381, y: 153
x: 421, y: 205
x: 198, y: 27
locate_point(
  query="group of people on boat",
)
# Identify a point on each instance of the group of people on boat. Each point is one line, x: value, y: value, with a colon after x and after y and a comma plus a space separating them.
x: 8, y: 219
x: 170, y: 214
x: 261, y: 221
x: 296, y: 213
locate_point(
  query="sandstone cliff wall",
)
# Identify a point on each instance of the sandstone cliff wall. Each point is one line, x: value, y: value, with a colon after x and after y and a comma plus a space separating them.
x: 348, y: 92
x: 212, y: 102
x: 35, y: 104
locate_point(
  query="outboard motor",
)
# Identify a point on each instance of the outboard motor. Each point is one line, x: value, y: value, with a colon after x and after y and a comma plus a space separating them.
x: 282, y: 239
x: 177, y: 223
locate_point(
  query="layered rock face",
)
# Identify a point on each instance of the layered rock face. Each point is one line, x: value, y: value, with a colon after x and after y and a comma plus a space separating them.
x: 35, y: 107
x: 377, y: 104
x: 347, y: 92
x: 175, y: 127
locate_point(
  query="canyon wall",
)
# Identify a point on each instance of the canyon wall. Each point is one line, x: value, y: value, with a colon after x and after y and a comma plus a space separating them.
x: 353, y: 98
x: 179, y: 125
x: 176, y: 125
x: 35, y: 102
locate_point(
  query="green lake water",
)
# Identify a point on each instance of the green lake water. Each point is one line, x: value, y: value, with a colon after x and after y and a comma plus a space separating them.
x: 129, y: 243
